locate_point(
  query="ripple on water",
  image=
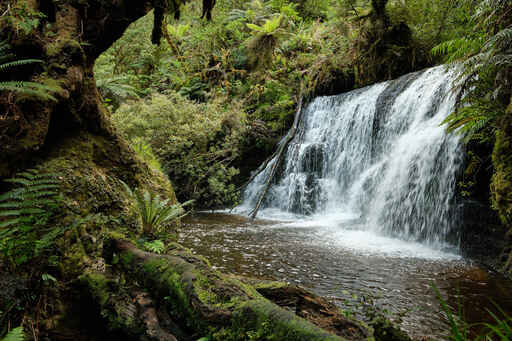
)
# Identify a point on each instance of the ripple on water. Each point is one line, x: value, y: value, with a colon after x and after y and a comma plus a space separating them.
x: 339, y: 260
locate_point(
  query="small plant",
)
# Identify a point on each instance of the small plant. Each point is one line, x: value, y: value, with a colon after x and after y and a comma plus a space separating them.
x: 8, y: 61
x: 15, y: 335
x: 145, y: 152
x: 502, y: 329
x: 458, y: 328
x: 155, y: 246
x: 117, y: 89
x: 154, y: 211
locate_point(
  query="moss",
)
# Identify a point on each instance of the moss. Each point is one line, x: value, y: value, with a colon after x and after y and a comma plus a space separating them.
x: 386, y: 331
x: 126, y: 259
x: 250, y: 290
x: 501, y: 183
x: 502, y: 179
x: 270, y: 285
x: 262, y: 320
x: 167, y: 279
x: 98, y: 286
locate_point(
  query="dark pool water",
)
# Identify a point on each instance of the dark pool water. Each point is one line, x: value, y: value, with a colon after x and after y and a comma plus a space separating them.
x: 350, y: 265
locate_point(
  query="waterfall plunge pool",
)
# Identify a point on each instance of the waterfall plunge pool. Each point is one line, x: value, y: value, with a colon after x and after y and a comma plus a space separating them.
x: 336, y: 258
x: 363, y: 167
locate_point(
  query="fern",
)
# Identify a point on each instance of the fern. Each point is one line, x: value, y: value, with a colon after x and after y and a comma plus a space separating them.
x: 16, y: 334
x: 485, y: 58
x: 156, y: 246
x: 154, y: 211
x: 42, y: 91
x: 25, y: 212
x: 117, y: 86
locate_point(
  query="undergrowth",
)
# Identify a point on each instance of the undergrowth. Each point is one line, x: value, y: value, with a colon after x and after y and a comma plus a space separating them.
x: 254, y: 60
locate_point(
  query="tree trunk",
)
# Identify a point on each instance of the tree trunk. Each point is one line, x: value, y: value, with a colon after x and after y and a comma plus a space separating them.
x: 68, y: 40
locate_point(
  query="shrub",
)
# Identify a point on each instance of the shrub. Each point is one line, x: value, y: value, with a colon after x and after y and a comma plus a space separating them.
x: 195, y: 143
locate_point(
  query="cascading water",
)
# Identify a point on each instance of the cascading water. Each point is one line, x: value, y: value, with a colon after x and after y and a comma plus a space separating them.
x: 378, y: 154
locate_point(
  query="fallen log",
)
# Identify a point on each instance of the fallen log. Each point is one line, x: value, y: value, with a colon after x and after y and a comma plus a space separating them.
x: 204, y: 302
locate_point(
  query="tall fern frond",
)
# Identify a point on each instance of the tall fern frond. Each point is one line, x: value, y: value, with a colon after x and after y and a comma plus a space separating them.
x: 30, y: 88
x: 16, y: 334
x: 8, y: 65
x: 485, y: 56
x: 24, y: 212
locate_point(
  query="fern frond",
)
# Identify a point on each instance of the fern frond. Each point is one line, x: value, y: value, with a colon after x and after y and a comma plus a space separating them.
x: 5, y: 66
x: 28, y: 181
x: 30, y: 88
x: 41, y: 91
x: 501, y: 40
x: 16, y: 334
x: 10, y: 222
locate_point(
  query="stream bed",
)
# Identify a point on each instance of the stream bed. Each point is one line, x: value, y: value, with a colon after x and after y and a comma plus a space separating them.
x: 340, y: 260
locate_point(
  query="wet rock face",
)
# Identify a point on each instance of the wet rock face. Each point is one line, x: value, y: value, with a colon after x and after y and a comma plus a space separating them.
x: 313, y: 159
x: 501, y: 184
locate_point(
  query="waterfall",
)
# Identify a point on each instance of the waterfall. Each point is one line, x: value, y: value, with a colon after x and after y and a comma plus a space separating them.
x: 379, y: 154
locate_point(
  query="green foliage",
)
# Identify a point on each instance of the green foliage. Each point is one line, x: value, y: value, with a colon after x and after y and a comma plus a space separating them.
x: 156, y: 213
x: 458, y: 328
x: 250, y: 65
x: 25, y: 216
x: 116, y: 89
x: 263, y: 43
x: 8, y: 62
x: 155, y: 246
x: 21, y: 17
x: 486, y: 57
x: 195, y: 143
x: 500, y: 329
x: 145, y: 152
x: 16, y: 334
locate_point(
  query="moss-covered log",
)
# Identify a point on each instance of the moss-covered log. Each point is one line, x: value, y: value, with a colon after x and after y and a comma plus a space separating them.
x: 204, y: 302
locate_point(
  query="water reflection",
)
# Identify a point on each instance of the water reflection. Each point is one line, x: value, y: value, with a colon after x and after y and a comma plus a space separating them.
x: 342, y: 263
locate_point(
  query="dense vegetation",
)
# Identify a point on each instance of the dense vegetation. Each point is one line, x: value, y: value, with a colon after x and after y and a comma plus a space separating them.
x: 205, y: 102
x: 248, y: 68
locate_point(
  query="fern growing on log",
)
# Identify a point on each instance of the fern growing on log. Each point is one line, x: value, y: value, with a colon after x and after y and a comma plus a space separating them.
x: 25, y: 214
x: 35, y: 89
x: 154, y: 211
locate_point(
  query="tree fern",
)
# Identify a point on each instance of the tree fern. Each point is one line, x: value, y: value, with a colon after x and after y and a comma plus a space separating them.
x: 264, y: 40
x: 42, y: 91
x: 16, y: 334
x: 25, y: 213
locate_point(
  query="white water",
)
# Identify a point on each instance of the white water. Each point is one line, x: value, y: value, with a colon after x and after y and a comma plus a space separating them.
x: 371, y: 164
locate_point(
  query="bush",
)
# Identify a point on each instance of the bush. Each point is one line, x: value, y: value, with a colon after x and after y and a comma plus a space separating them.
x: 195, y: 143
